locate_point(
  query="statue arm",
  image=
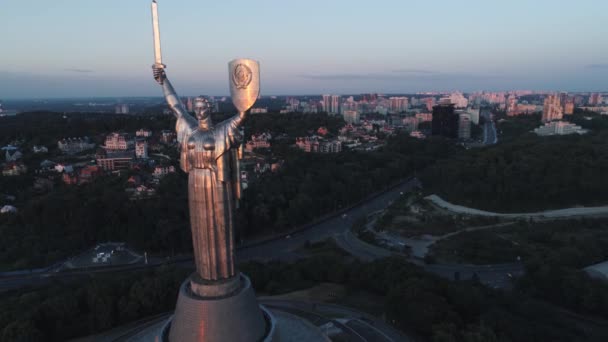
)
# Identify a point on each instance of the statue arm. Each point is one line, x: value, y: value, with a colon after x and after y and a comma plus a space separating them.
x: 170, y: 94
x: 173, y: 100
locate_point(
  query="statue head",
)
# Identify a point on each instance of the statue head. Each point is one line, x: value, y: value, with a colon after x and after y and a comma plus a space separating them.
x: 202, y: 107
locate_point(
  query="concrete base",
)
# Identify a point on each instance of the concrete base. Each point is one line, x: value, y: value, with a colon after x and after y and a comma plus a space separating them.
x: 236, y: 318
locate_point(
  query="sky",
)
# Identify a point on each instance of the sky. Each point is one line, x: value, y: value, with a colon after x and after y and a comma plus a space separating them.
x: 84, y: 48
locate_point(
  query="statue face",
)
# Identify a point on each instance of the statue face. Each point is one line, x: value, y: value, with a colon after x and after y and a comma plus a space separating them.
x: 201, y: 113
x: 201, y: 108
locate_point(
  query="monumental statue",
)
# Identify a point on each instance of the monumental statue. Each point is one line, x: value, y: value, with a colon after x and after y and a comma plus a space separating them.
x: 217, y: 303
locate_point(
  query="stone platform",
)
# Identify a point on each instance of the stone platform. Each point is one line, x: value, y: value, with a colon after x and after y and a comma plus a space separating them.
x: 236, y: 317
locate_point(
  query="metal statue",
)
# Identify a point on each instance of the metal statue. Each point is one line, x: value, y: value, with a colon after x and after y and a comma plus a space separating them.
x: 209, y: 154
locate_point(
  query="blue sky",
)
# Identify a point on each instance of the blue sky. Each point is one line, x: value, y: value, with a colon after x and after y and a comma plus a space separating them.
x: 75, y: 48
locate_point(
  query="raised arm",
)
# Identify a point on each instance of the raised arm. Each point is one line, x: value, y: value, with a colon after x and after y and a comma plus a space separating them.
x: 170, y: 95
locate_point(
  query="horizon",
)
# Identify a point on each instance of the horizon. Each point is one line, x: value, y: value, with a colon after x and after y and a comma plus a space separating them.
x: 314, y: 48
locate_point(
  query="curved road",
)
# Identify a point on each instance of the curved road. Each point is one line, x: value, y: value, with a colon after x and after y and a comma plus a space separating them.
x: 283, y: 248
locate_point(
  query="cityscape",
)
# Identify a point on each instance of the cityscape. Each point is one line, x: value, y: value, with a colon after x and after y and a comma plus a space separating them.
x: 339, y: 197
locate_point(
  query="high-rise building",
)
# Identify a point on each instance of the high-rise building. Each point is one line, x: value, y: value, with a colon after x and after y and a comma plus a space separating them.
x: 326, y: 102
x: 122, y: 109
x: 569, y: 107
x: 335, y: 104
x: 445, y: 121
x: 141, y: 149
x: 351, y: 116
x: 595, y: 99
x: 190, y: 104
x: 398, y: 104
x: 464, y: 126
x: 512, y: 105
x: 430, y: 103
x: 459, y: 100
x: 552, y: 109
x: 474, y: 114
x: 331, y: 104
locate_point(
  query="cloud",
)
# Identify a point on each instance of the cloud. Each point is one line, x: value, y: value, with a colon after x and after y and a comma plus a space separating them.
x: 79, y: 70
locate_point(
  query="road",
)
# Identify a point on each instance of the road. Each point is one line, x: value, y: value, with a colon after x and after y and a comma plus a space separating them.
x: 541, y: 215
x: 490, y: 137
x: 358, y: 325
x: 498, y: 276
x: 282, y: 248
x: 286, y: 248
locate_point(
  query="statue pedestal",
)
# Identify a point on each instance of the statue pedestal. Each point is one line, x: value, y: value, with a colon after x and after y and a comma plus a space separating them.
x: 235, y: 317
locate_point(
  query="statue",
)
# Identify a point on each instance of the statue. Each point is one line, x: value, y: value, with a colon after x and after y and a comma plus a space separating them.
x: 216, y: 303
x: 209, y: 154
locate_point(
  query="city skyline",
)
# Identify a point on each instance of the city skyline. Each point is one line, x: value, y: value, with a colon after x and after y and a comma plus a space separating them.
x: 63, y: 50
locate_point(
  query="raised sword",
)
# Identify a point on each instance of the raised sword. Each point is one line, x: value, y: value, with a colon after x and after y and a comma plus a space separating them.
x: 158, y: 59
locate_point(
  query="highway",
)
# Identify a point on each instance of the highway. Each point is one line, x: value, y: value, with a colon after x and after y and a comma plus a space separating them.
x: 280, y: 248
x: 286, y: 248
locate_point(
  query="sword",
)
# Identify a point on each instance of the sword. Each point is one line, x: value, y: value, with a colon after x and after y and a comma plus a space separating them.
x: 158, y: 59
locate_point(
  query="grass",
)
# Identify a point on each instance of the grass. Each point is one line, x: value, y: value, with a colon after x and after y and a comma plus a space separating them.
x: 578, y: 243
x: 412, y: 215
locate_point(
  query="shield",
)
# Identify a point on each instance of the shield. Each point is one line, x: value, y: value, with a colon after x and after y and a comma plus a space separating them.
x: 244, y: 83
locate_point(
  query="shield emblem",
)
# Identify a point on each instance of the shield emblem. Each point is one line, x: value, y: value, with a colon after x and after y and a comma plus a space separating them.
x: 244, y: 83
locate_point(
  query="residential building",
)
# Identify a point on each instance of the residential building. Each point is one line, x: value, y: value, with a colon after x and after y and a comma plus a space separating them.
x: 352, y: 116
x: 11, y: 157
x: 398, y: 104
x: 335, y: 104
x: 121, y: 109
x: 8, y: 209
x: 424, y: 117
x: 14, y: 169
x: 331, y: 104
x: 161, y: 171
x: 141, y: 149
x: 143, y: 133
x: 259, y: 110
x: 559, y: 128
x: 445, y: 121
x: 410, y: 123
x: 40, y: 149
x: 114, y: 161
x: 417, y: 135
x: 595, y: 99
x: 88, y: 173
x: 464, y: 126
x: 258, y: 141
x: 552, y: 109
x: 511, y: 105
x: 330, y: 147
x: 118, y: 142
x: 569, y: 107
x: 75, y: 145
x: 459, y: 100
x: 474, y: 114
x: 429, y: 102
x: 167, y: 136
x: 315, y: 145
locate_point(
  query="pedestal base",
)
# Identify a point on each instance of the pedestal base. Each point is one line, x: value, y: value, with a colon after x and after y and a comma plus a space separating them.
x: 235, y: 318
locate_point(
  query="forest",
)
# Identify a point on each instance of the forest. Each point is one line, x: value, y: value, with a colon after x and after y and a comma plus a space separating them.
x: 528, y: 174
x: 414, y: 301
